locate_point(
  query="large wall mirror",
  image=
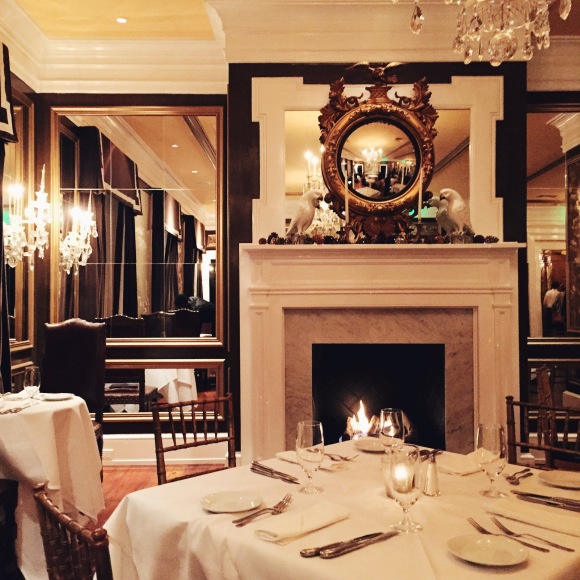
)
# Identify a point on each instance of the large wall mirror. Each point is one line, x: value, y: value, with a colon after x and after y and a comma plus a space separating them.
x: 17, y: 195
x: 139, y: 221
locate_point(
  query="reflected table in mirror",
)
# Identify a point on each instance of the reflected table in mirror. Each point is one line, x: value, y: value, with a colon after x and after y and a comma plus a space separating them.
x: 173, y: 385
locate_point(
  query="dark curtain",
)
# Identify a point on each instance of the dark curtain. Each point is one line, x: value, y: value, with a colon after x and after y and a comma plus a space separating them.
x: 170, y: 277
x: 157, y: 251
x: 125, y: 269
x: 190, y: 253
x: 6, y: 366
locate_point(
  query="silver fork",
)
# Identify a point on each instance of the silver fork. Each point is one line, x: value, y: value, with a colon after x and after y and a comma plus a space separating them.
x: 337, y: 457
x: 482, y: 530
x: 515, y: 535
x: 275, y: 510
x: 514, y: 478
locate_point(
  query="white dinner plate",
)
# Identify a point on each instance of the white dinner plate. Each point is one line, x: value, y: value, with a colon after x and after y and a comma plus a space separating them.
x: 56, y: 396
x: 561, y: 478
x: 369, y: 444
x: 224, y: 502
x: 488, y: 550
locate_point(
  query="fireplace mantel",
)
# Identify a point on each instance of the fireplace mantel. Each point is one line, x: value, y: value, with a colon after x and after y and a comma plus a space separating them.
x: 274, y: 279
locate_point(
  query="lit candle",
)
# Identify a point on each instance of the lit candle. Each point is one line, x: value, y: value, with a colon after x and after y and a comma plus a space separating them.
x: 308, y: 156
x: 402, y: 478
x: 346, y: 216
x: 420, y: 194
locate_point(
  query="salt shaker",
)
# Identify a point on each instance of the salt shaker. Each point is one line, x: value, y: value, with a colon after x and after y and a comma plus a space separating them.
x: 431, y: 484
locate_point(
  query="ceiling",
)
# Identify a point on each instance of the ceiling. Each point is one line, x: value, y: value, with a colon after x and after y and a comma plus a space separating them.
x: 198, y: 23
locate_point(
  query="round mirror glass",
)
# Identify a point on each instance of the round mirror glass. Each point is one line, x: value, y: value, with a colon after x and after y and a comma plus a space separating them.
x: 380, y: 160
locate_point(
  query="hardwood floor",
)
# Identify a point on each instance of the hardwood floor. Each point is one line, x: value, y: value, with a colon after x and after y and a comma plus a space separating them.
x: 120, y: 481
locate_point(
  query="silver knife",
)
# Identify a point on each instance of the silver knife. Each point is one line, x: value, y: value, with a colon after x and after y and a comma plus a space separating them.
x: 286, y: 478
x: 271, y: 470
x: 352, y: 546
x: 311, y: 552
x: 567, y: 500
x: 550, y: 502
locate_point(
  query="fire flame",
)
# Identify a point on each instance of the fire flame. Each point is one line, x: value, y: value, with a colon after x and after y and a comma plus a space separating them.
x: 360, y: 423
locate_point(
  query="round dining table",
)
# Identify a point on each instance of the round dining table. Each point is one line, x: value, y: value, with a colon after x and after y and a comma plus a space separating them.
x: 48, y: 440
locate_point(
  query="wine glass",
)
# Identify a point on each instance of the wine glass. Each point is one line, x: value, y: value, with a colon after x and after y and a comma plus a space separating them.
x: 391, y: 427
x: 31, y: 382
x: 403, y: 480
x: 490, y: 454
x: 310, y: 451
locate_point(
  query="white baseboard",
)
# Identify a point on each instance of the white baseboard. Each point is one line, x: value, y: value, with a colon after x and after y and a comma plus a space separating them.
x: 140, y: 450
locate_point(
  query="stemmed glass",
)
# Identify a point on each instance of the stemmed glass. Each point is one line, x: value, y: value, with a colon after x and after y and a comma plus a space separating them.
x: 310, y: 451
x: 391, y: 427
x: 31, y: 382
x: 403, y: 480
x: 490, y: 454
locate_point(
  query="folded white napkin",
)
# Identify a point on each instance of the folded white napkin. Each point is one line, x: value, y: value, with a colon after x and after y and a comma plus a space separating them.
x: 550, y: 518
x: 21, y: 396
x: 327, y: 463
x: 457, y: 464
x: 287, y: 527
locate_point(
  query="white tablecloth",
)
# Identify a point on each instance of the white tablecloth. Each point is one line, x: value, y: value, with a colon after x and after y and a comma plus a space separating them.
x: 52, y: 441
x: 174, y: 384
x: 165, y: 528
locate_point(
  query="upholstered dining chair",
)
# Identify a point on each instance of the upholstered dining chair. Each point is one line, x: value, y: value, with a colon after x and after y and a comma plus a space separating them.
x: 72, y: 551
x: 74, y: 362
x: 158, y: 324
x: 189, y: 424
x: 552, y: 431
x: 123, y: 326
x: 186, y: 323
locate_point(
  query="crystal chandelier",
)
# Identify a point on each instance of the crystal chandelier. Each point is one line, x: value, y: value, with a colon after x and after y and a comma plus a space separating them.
x: 498, y: 30
x: 75, y: 248
x: 372, y: 158
x: 33, y: 221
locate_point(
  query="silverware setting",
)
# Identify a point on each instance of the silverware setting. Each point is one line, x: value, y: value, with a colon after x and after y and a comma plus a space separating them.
x: 509, y: 532
x: 427, y: 453
x: 269, y: 472
x: 564, y: 505
x: 311, y: 552
x: 482, y: 530
x: 337, y: 457
x: 15, y: 409
x: 564, y: 500
x: 355, y: 544
x: 274, y: 510
x: 514, y: 478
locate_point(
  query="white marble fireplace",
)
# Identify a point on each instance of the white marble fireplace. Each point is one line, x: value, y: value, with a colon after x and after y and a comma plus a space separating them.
x: 463, y: 296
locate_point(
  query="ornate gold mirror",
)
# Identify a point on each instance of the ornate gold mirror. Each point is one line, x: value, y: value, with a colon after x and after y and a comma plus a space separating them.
x: 378, y: 156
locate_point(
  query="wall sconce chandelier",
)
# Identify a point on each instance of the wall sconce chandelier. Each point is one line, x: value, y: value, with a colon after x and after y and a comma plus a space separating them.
x: 498, y: 29
x: 75, y: 248
x: 26, y: 230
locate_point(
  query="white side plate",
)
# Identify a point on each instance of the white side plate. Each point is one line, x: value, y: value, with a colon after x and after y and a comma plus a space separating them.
x: 369, y: 444
x: 488, y: 550
x: 561, y: 478
x: 56, y: 396
x: 225, y: 502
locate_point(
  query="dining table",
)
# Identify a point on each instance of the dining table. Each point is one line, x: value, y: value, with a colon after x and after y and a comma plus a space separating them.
x: 48, y: 439
x: 187, y: 526
x: 174, y: 384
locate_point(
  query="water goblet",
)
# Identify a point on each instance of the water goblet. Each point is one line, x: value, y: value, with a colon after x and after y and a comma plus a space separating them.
x: 310, y: 451
x: 490, y: 454
x: 403, y: 480
x: 31, y: 383
x: 391, y: 427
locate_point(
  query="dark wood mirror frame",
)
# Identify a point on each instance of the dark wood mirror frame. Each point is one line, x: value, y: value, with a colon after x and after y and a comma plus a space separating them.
x: 415, y: 116
x: 57, y: 115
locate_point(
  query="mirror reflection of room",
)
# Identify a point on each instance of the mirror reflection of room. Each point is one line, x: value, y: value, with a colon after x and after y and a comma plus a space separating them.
x: 137, y: 218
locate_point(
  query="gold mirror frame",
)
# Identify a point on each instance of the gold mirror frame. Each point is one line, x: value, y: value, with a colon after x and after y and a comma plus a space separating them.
x: 415, y: 116
x: 59, y: 112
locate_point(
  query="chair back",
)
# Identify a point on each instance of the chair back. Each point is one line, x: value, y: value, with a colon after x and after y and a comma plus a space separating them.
x: 158, y: 324
x: 123, y: 326
x: 72, y: 551
x: 74, y: 361
x: 192, y: 424
x: 552, y: 431
x: 186, y: 323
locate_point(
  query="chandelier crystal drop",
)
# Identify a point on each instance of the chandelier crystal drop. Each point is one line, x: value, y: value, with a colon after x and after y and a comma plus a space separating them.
x: 75, y: 247
x: 498, y: 30
x: 27, y: 229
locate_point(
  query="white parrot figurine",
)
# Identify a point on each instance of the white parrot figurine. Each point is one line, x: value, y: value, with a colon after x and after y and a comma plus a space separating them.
x: 307, y: 205
x: 441, y: 217
x: 457, y: 211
